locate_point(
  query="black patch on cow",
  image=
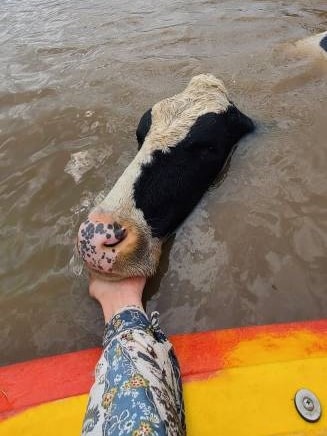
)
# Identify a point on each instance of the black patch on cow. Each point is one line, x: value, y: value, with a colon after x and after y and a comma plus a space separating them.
x: 143, y: 127
x: 323, y: 43
x: 173, y: 182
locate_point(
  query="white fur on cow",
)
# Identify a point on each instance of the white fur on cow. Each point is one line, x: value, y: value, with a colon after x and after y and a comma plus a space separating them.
x: 184, y: 143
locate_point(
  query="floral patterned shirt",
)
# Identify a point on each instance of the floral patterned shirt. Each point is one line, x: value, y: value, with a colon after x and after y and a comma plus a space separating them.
x: 137, y: 389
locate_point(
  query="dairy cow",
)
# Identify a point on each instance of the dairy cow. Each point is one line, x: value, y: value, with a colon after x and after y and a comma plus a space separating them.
x: 184, y: 142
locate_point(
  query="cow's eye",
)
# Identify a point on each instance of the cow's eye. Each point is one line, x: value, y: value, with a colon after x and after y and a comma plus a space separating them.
x: 207, y: 146
x: 199, y: 146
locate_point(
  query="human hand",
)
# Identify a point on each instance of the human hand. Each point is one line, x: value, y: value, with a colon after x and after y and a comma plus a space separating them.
x: 113, y: 296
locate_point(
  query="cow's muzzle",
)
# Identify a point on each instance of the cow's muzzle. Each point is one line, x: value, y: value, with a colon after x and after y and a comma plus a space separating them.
x: 99, y: 241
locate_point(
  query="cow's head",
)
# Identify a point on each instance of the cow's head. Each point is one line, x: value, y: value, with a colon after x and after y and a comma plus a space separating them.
x: 184, y: 143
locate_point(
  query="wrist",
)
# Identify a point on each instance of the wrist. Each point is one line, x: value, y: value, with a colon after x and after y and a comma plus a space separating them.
x: 114, y: 296
x: 117, y: 301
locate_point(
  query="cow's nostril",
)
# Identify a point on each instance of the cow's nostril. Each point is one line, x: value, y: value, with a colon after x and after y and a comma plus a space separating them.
x: 110, y: 244
x: 119, y: 233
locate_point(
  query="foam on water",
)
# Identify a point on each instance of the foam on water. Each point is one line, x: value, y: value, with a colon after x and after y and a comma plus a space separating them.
x: 83, y: 161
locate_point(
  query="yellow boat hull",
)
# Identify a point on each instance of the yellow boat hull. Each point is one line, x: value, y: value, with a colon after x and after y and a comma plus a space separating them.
x: 236, y: 382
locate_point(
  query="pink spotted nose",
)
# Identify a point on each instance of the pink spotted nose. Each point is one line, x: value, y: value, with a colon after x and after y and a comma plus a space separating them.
x: 98, y: 241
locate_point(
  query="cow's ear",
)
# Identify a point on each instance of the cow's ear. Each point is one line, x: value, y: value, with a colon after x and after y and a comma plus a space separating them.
x: 143, y: 127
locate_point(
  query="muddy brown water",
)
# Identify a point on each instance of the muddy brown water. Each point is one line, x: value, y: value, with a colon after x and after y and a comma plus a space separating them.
x: 75, y: 79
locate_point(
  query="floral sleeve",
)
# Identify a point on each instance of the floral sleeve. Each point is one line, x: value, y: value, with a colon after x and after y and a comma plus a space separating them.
x: 137, y: 389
